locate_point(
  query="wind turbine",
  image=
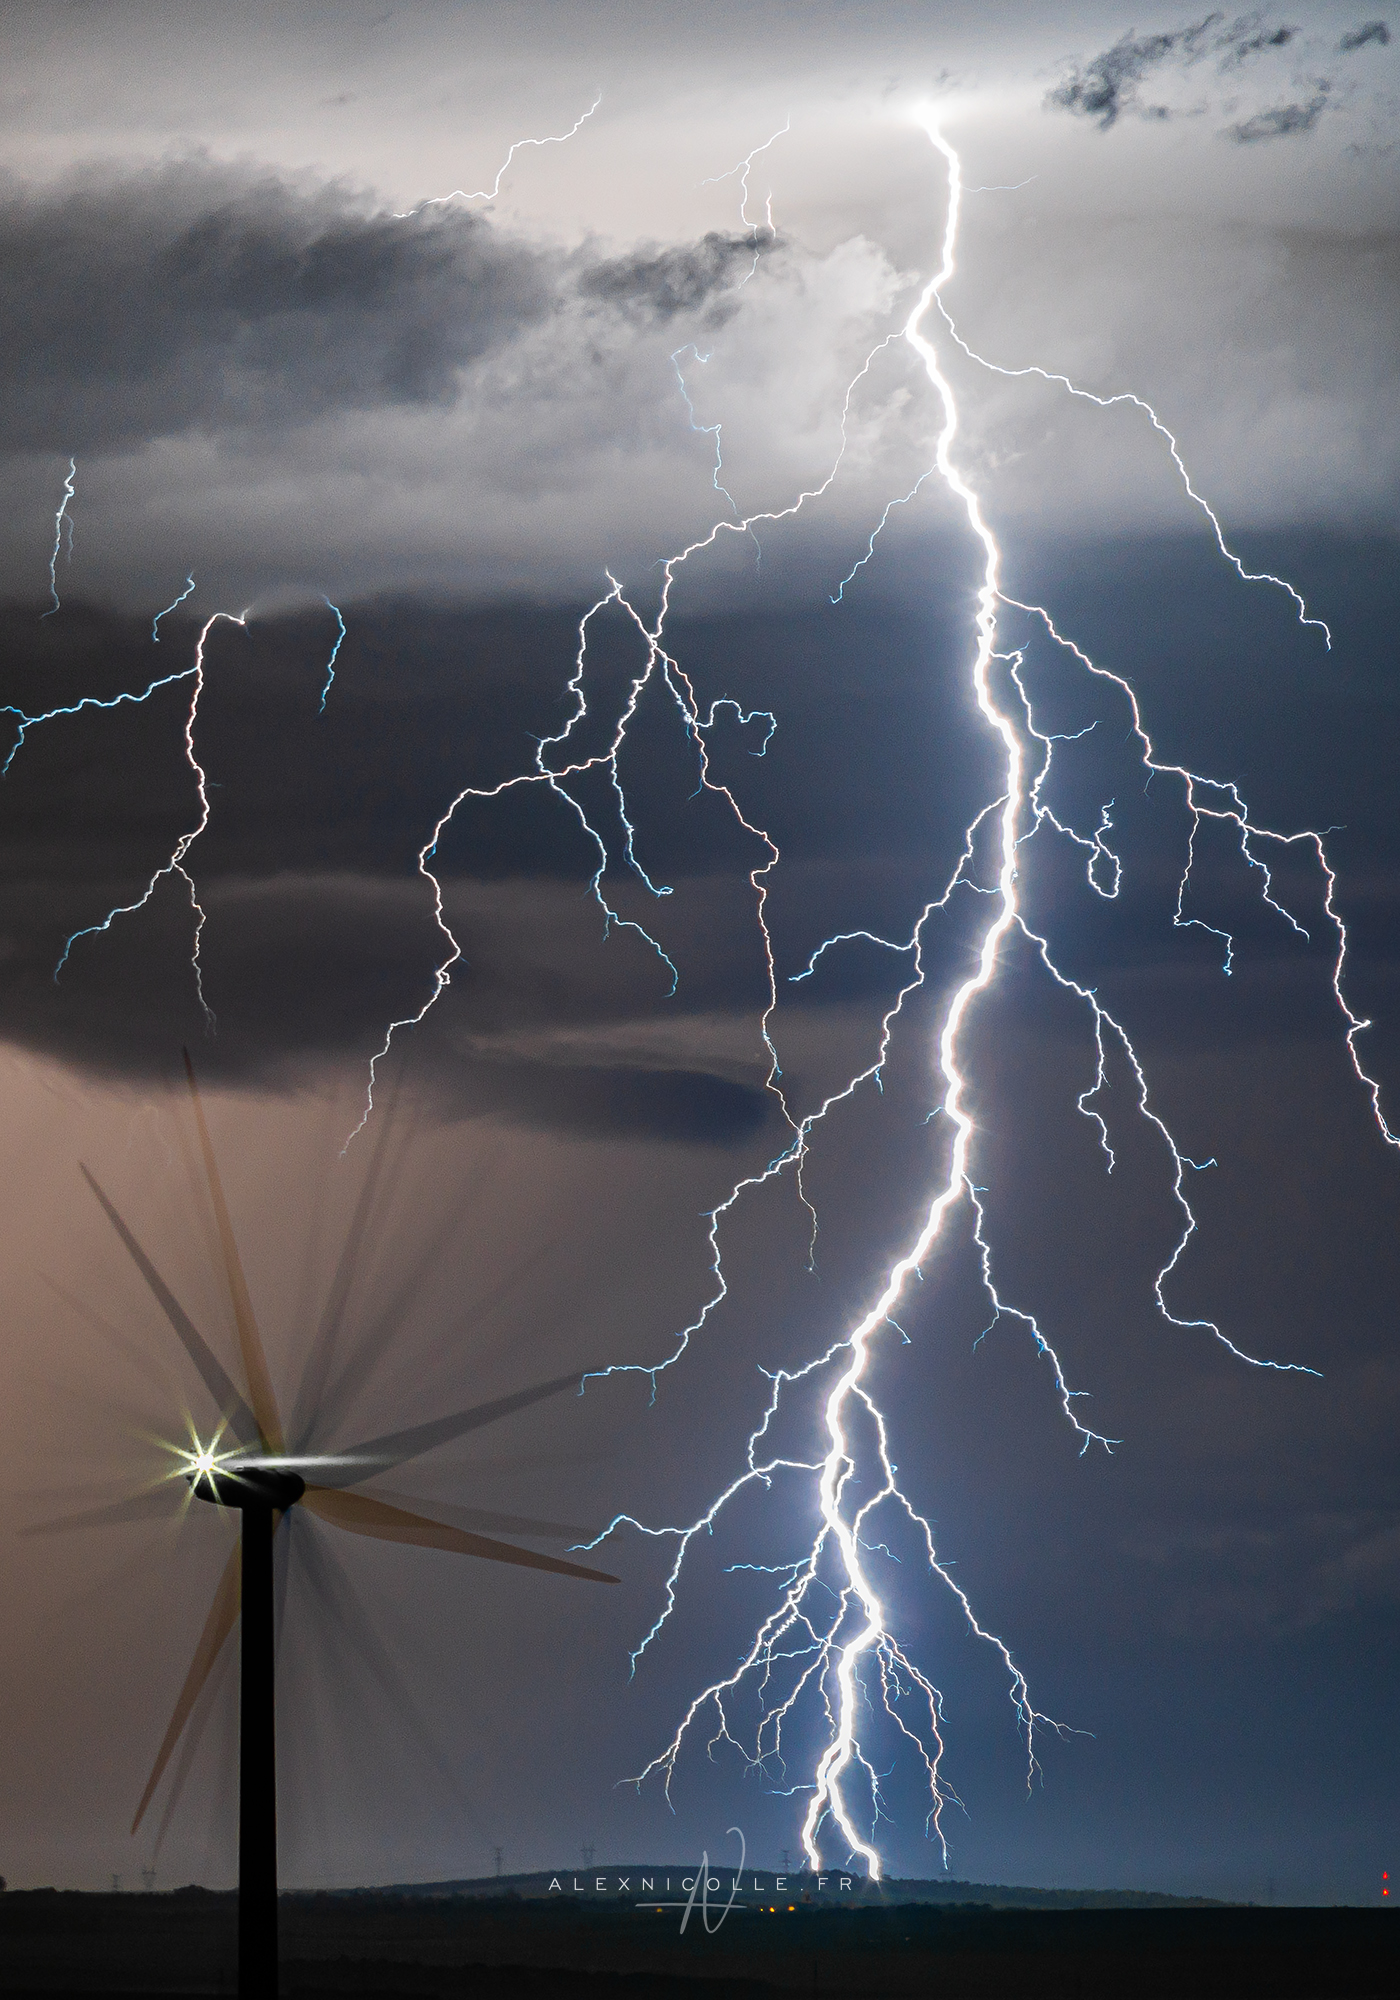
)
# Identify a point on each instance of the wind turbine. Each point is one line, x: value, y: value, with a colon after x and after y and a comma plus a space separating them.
x: 263, y: 1479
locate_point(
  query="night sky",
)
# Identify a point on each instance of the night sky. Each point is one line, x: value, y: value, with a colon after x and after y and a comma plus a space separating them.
x: 475, y: 431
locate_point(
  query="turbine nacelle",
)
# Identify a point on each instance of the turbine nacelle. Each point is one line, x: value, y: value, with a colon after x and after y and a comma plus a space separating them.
x: 241, y: 1485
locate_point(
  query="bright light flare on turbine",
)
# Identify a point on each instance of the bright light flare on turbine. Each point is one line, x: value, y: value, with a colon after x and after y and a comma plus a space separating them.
x: 201, y: 1456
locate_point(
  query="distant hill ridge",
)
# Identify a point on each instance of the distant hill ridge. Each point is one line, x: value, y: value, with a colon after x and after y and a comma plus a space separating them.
x: 676, y: 1881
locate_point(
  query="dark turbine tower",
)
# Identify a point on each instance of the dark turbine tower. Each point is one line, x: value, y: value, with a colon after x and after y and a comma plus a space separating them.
x: 264, y: 1480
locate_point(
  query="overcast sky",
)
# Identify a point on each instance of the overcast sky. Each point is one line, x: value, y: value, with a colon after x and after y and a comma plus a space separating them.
x: 291, y: 335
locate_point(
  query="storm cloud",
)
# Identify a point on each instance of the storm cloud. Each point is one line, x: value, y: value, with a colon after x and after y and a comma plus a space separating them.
x: 456, y: 422
x: 319, y: 927
x: 1250, y: 36
x: 1280, y: 122
x: 201, y: 297
x: 664, y: 283
x: 193, y: 295
x: 1110, y: 84
x: 1368, y: 33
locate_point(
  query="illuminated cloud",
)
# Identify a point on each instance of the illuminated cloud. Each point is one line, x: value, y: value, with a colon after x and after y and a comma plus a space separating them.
x: 198, y: 297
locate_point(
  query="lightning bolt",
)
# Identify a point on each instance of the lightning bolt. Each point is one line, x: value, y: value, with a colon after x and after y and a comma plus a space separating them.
x: 173, y: 605
x: 489, y: 194
x: 659, y: 666
x: 829, y: 1635
x: 714, y: 431
x: 176, y: 863
x: 828, y: 1655
x: 61, y: 519
x: 744, y: 168
x: 194, y: 673
x: 556, y: 776
x: 335, y: 651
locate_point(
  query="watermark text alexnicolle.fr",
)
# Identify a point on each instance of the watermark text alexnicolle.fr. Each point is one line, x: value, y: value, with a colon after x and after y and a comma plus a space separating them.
x: 761, y: 1890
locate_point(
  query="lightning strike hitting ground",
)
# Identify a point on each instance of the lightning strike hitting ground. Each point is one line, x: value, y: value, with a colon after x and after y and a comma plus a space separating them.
x: 829, y: 1637
x: 833, y: 1654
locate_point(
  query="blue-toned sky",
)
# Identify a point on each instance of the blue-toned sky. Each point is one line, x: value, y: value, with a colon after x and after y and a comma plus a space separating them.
x: 281, y: 366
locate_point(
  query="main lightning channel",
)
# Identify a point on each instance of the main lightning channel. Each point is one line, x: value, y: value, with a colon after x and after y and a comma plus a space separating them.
x: 834, y: 1652
x: 837, y: 1660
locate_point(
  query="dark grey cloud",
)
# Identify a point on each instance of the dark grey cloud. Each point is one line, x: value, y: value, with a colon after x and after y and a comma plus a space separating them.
x: 320, y: 930
x: 663, y: 283
x: 678, y: 1107
x: 191, y: 295
x: 1359, y: 38
x: 1109, y: 83
x: 197, y: 297
x: 1250, y: 36
x: 1281, y: 121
